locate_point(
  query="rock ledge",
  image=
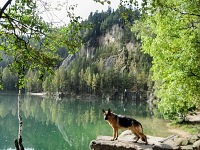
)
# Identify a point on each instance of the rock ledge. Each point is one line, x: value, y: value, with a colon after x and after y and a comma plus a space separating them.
x: 125, y: 142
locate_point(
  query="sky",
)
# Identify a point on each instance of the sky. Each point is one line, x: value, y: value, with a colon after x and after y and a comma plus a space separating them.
x: 86, y: 6
x: 83, y: 9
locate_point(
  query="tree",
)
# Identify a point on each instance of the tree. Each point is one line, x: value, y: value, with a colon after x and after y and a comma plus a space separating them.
x: 29, y: 81
x: 47, y: 84
x: 6, y: 78
x: 56, y: 81
x: 37, y: 84
x: 95, y: 80
x: 1, y: 74
x: 62, y: 78
x: 88, y: 78
x: 81, y: 77
x: 170, y: 33
x: 30, y: 40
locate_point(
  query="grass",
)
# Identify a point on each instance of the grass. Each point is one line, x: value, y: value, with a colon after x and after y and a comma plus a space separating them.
x: 190, y: 127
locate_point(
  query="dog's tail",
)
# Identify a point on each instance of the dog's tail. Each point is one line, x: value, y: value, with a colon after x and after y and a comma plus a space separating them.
x: 141, y: 128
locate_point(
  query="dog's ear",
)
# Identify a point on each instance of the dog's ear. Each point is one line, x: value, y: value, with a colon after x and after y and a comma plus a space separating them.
x: 109, y: 110
x: 103, y: 110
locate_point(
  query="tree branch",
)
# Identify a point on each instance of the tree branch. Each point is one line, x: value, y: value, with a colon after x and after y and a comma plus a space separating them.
x: 175, y: 9
x: 191, y: 73
x: 17, y: 23
x: 4, y: 7
x: 14, y: 32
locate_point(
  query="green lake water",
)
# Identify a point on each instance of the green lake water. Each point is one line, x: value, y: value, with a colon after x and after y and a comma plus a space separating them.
x: 68, y: 124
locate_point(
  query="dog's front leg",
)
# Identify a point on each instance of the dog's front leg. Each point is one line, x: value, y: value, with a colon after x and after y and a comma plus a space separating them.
x: 114, y: 134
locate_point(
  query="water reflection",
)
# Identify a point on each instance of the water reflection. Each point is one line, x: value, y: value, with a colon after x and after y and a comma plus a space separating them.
x: 66, y: 124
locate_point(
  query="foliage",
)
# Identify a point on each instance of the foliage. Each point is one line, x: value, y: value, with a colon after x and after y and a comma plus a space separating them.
x: 8, y: 79
x: 88, y: 74
x: 102, y: 22
x: 103, y: 1
x: 106, y: 68
x: 170, y: 33
x: 32, y: 42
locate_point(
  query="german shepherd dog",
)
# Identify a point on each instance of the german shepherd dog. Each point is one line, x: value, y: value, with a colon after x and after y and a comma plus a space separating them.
x: 118, y: 121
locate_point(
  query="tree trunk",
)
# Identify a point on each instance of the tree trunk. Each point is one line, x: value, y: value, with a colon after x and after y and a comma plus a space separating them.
x: 18, y: 142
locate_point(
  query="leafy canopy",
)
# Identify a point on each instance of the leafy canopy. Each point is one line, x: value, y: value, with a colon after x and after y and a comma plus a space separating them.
x: 170, y: 33
x: 30, y: 40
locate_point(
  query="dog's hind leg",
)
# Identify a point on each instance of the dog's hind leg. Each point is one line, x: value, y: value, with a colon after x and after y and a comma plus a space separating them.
x: 139, y: 134
x: 139, y: 131
x: 135, y: 133
x: 144, y: 138
x: 137, y: 138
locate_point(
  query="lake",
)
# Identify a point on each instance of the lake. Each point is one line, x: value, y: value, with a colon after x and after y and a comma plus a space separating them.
x: 68, y: 124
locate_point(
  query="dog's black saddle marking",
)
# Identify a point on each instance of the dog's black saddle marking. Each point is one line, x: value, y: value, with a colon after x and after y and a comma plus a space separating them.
x: 127, y: 121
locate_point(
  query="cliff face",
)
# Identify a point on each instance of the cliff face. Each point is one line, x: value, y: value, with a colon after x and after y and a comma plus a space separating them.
x: 121, y: 56
x: 112, y: 65
x: 67, y: 61
x: 113, y: 36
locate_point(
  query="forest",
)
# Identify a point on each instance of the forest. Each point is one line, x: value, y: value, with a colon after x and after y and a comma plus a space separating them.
x: 88, y: 72
x: 153, y: 47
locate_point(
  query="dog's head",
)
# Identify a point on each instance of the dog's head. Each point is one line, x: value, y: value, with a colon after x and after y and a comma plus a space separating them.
x: 107, y: 114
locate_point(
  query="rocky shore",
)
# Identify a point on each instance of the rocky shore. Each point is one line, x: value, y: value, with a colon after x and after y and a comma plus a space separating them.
x: 125, y: 142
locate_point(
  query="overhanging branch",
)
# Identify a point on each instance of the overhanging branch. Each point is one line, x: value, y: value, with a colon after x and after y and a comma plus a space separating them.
x: 18, y: 23
x: 175, y: 9
x: 4, y: 7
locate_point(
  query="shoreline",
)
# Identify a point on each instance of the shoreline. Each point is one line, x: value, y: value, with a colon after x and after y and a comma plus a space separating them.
x: 38, y: 94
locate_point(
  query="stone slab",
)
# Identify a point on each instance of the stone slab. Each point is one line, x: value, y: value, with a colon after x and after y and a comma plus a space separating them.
x: 126, y: 142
